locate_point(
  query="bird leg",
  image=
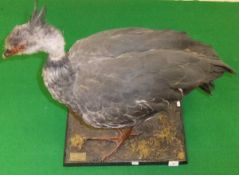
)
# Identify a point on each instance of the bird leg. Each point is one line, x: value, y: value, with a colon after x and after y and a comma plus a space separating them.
x: 123, y: 134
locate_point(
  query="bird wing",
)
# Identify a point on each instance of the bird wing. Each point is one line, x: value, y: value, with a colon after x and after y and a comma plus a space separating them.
x: 112, y: 43
x: 135, y: 85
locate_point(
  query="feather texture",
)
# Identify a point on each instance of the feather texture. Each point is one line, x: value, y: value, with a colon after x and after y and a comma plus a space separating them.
x: 125, y: 76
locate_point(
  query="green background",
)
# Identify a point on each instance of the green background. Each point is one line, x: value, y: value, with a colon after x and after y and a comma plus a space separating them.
x: 32, y: 125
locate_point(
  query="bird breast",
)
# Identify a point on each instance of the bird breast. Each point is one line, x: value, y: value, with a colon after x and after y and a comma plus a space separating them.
x: 58, y: 78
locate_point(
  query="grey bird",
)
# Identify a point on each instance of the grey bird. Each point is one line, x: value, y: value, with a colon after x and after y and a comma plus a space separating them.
x: 118, y: 78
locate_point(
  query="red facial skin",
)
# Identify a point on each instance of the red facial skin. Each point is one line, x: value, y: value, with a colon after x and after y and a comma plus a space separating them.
x: 13, y: 51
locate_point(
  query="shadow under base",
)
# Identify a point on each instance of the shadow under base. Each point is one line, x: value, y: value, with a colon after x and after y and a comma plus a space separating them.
x: 161, y: 141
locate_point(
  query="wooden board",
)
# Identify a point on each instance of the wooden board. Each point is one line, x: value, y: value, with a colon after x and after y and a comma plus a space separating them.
x: 161, y: 141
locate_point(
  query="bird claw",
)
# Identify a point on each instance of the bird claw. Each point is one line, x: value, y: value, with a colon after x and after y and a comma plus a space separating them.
x: 123, y: 134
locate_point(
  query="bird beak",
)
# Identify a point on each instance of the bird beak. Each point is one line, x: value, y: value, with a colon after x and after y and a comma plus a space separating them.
x: 10, y: 52
x: 7, y: 53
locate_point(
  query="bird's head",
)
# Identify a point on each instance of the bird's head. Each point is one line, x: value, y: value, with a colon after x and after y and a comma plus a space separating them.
x: 34, y: 36
x: 24, y: 39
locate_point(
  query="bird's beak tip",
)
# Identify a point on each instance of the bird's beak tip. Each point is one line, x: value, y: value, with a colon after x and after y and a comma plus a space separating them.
x: 3, y: 56
x: 6, y: 54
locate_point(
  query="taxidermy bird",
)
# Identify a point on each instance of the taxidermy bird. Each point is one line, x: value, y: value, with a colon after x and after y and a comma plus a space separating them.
x: 118, y: 78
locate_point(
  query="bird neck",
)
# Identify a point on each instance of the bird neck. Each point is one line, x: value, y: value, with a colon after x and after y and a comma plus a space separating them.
x: 58, y: 77
x: 53, y: 43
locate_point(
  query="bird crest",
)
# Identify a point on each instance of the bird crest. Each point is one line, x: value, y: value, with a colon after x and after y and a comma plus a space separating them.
x: 38, y: 15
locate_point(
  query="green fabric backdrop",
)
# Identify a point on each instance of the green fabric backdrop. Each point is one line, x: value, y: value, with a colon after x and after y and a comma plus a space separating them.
x: 32, y: 125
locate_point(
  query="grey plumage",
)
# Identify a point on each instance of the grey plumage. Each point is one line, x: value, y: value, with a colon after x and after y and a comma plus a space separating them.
x: 124, y: 76
x: 121, y: 77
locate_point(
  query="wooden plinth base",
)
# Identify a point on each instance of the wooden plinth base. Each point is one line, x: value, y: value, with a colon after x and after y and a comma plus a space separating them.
x: 161, y: 141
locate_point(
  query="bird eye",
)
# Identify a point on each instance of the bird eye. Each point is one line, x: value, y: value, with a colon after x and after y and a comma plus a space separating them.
x: 14, y: 41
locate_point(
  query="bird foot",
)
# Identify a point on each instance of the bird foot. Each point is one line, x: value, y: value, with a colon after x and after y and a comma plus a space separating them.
x: 119, y: 139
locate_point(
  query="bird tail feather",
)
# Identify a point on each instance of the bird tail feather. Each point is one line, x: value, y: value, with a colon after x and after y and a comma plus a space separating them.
x: 218, y: 69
